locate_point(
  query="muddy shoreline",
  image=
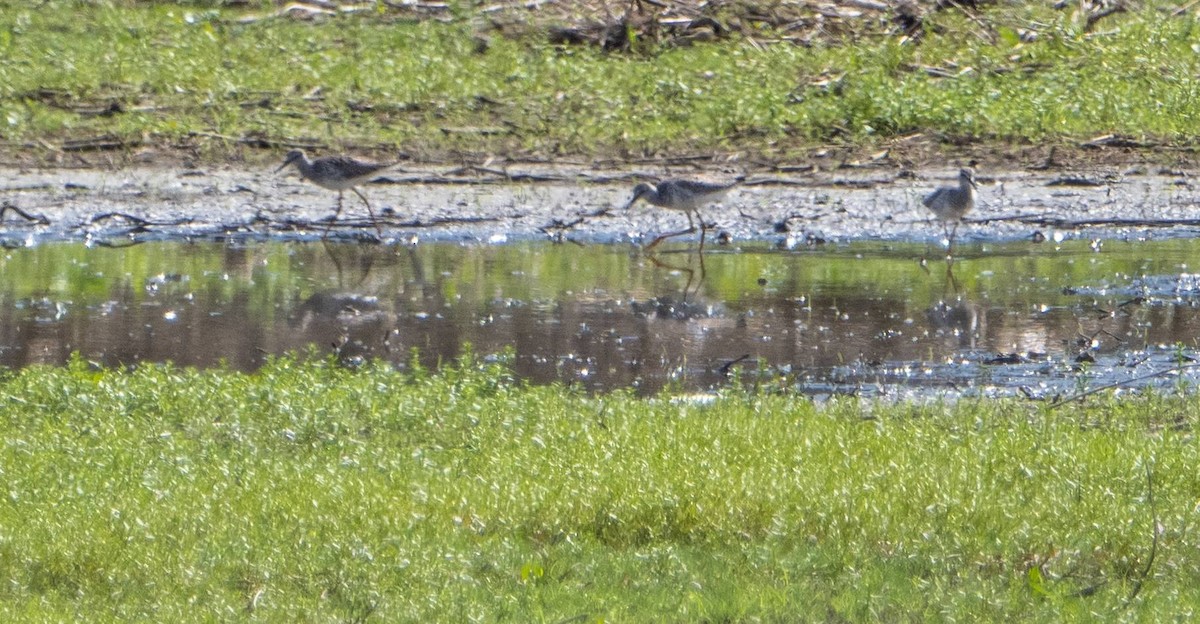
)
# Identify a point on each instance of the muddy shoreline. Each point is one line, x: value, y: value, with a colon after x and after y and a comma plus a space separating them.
x: 537, y: 202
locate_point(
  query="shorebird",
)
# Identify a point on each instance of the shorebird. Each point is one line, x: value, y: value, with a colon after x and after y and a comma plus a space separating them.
x: 338, y: 173
x: 950, y: 203
x: 686, y: 195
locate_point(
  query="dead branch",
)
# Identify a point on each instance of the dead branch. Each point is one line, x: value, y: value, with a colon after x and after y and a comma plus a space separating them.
x: 1119, y: 384
x: 39, y: 219
x: 1068, y: 224
x: 1094, y: 17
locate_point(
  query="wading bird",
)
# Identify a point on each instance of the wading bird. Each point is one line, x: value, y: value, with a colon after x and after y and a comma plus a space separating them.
x: 686, y: 195
x: 338, y: 173
x: 950, y: 203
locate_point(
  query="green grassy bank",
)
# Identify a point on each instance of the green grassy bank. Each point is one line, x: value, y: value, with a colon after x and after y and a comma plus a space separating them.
x: 306, y: 492
x: 219, y: 80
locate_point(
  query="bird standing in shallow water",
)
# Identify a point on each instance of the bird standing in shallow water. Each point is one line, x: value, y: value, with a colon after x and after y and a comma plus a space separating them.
x: 685, y: 195
x: 338, y: 173
x: 950, y: 203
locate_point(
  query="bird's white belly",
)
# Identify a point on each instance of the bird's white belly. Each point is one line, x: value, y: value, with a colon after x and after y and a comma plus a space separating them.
x: 337, y: 185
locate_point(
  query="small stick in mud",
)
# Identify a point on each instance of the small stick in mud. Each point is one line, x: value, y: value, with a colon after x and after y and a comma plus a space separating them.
x: 39, y: 219
x: 728, y: 366
x: 136, y: 220
x: 1061, y: 401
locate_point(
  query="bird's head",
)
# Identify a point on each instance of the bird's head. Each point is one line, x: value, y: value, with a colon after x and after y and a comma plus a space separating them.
x: 292, y: 157
x: 966, y: 177
x: 639, y: 192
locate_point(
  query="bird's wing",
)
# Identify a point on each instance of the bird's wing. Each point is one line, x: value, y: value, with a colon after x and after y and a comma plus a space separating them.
x: 700, y: 187
x: 932, y: 198
x: 354, y: 168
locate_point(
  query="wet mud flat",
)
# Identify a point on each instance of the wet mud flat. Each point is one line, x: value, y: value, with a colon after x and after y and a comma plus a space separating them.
x: 544, y: 203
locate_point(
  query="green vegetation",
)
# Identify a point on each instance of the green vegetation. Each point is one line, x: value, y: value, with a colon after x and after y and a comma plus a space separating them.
x: 205, y: 76
x: 306, y: 492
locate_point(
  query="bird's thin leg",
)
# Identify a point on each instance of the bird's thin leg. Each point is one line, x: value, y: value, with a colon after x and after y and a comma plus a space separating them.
x: 329, y: 226
x: 953, y: 234
x: 703, y: 227
x: 691, y: 228
x: 662, y: 238
x: 665, y: 237
x: 375, y: 223
x: 950, y: 279
x: 687, y: 289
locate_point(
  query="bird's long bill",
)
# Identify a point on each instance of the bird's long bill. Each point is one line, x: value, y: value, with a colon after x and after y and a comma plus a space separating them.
x: 283, y: 166
x: 629, y: 204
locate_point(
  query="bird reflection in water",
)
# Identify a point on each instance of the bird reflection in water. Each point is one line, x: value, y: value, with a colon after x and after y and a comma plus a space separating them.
x: 960, y: 318
x: 694, y: 275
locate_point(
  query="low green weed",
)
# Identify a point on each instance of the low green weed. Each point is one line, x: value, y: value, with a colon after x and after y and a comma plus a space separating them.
x: 222, y: 77
x: 309, y: 492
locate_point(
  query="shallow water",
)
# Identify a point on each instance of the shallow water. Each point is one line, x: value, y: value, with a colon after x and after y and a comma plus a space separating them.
x: 874, y: 319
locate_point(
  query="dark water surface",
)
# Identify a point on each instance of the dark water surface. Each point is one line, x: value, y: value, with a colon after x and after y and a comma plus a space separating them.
x: 865, y: 318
